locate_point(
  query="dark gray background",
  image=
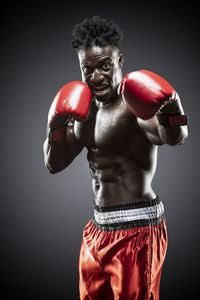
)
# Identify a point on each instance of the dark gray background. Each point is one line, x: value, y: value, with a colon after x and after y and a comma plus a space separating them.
x: 43, y: 215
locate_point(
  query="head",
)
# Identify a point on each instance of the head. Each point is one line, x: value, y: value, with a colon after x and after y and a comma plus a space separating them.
x: 97, y: 43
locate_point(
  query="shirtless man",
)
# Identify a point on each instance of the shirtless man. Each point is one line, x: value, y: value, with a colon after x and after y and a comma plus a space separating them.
x: 121, y: 123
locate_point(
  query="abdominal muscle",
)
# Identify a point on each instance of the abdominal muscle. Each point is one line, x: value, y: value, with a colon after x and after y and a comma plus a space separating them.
x: 118, y: 180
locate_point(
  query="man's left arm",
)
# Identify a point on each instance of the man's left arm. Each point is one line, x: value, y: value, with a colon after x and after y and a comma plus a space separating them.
x: 169, y: 126
x: 157, y: 107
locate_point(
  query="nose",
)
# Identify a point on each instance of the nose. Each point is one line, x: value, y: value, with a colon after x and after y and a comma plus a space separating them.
x: 96, y: 77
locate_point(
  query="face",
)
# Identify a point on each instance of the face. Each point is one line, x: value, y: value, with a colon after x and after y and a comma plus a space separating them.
x: 101, y: 70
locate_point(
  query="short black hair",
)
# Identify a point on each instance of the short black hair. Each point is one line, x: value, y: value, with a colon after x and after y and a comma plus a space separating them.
x: 96, y: 31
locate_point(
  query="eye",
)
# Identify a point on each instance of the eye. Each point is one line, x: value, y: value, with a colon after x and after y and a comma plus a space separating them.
x: 87, y: 69
x: 106, y: 66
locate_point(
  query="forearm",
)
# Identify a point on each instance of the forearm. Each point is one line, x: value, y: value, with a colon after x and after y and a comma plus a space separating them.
x: 169, y: 134
x: 160, y: 135
x: 173, y: 135
x: 163, y: 128
x: 58, y: 155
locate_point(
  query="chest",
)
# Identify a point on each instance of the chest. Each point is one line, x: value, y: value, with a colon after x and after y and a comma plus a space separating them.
x: 108, y: 127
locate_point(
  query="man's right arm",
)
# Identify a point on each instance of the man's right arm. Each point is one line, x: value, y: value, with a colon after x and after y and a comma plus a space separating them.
x: 71, y: 103
x: 57, y: 156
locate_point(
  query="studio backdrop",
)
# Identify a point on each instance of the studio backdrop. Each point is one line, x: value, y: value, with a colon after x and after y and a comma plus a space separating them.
x: 43, y: 215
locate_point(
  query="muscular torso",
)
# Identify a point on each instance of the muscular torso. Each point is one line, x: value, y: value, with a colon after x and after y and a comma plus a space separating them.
x: 122, y: 161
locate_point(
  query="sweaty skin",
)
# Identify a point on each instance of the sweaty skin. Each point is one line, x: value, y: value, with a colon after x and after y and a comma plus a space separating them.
x: 122, y: 161
x: 122, y: 149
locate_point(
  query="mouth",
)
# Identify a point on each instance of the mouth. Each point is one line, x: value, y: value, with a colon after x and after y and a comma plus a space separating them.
x: 100, y: 88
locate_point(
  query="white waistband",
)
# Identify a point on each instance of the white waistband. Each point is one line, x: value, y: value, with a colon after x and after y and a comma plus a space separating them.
x: 143, y: 213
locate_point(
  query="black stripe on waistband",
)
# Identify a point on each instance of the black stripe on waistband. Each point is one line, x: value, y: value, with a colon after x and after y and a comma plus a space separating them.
x: 130, y: 205
x: 128, y: 224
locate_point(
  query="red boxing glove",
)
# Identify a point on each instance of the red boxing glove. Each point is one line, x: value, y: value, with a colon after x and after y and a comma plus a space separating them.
x: 145, y: 93
x: 73, y: 100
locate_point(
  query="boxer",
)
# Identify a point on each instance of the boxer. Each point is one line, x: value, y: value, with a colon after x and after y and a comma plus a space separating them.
x: 121, y: 121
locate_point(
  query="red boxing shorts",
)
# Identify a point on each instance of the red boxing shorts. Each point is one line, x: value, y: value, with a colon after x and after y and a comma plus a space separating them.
x: 122, y: 252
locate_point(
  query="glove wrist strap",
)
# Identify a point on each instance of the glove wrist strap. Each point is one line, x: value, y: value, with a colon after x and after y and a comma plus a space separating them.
x: 171, y: 120
x: 56, y: 135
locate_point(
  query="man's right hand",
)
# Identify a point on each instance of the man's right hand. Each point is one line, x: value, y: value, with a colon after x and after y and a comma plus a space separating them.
x: 73, y: 100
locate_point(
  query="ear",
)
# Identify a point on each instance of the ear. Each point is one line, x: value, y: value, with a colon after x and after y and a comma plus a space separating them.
x: 120, y: 60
